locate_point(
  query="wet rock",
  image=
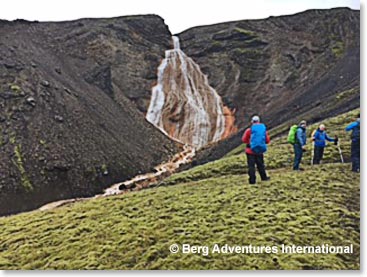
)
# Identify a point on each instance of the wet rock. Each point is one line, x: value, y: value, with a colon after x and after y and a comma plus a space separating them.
x: 45, y: 83
x: 59, y: 118
x: 31, y: 101
x: 123, y: 187
x: 68, y: 91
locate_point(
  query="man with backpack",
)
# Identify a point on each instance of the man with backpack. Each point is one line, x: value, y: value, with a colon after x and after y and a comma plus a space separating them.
x: 319, y: 138
x: 297, y: 137
x: 355, y: 147
x: 256, y: 137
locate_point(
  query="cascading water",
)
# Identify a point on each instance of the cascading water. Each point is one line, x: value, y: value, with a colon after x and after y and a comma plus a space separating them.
x: 186, y: 108
x: 183, y: 104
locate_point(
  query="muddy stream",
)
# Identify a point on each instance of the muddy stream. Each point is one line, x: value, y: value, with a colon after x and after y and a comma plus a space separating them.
x: 139, y: 182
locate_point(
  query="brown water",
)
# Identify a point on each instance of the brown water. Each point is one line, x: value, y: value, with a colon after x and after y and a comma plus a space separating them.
x: 139, y: 182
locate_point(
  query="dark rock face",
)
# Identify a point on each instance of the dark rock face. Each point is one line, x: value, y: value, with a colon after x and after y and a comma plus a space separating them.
x: 69, y: 93
x: 280, y: 67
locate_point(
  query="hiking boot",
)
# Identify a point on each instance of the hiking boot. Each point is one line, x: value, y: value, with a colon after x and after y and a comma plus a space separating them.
x: 252, y: 182
x: 266, y: 179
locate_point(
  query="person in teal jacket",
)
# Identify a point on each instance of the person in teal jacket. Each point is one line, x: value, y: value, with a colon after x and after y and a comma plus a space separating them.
x: 355, y: 146
x: 320, y: 137
x: 300, y: 145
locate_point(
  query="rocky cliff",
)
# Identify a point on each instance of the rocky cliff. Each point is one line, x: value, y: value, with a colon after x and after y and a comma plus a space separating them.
x: 70, y: 95
x: 281, y: 68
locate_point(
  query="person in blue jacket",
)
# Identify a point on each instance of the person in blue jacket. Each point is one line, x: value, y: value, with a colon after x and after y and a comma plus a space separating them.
x: 300, y: 145
x: 320, y: 137
x: 355, y: 147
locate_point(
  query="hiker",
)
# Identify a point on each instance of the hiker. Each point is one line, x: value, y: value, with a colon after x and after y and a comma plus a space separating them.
x: 256, y: 137
x: 300, y: 144
x: 319, y: 138
x: 355, y: 147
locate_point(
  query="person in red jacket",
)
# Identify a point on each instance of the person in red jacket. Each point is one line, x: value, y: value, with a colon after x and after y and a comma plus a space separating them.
x: 253, y: 158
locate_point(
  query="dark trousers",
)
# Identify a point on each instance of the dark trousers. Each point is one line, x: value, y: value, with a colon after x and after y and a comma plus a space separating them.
x: 257, y: 160
x: 318, y: 153
x: 298, y: 153
x: 355, y: 155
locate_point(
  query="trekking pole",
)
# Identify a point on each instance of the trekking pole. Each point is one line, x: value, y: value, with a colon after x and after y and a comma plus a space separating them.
x: 340, y: 152
x: 313, y: 152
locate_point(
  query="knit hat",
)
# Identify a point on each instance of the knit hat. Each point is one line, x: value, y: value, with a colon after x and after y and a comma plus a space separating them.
x: 255, y: 119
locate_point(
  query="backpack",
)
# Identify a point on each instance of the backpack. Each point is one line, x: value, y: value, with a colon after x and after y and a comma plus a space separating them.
x: 258, y: 138
x: 356, y: 133
x: 292, y: 134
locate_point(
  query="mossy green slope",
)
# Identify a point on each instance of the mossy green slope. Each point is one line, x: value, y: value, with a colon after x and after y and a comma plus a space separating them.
x: 334, y: 125
x: 279, y: 154
x: 134, y: 231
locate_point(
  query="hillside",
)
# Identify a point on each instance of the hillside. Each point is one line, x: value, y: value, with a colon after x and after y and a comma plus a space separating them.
x: 208, y: 204
x: 68, y: 124
x: 281, y: 67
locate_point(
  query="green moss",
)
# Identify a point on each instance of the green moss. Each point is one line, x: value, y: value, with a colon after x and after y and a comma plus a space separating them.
x: 104, y: 168
x: 216, y: 44
x: 347, y: 93
x: 26, y: 183
x: 338, y: 49
x: 209, y: 204
x: 15, y: 88
x: 245, y: 32
x: 135, y: 230
x: 12, y: 138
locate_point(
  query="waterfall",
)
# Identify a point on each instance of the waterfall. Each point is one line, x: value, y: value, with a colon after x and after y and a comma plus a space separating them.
x: 183, y: 104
